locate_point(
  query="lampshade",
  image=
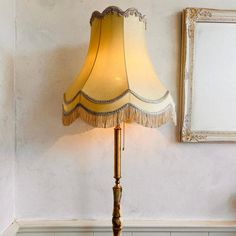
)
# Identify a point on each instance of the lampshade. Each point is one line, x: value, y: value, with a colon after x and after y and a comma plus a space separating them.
x: 118, y: 82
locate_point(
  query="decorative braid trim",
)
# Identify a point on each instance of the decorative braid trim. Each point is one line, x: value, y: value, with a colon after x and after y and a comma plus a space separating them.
x: 126, y: 113
x: 155, y: 101
x: 119, y: 12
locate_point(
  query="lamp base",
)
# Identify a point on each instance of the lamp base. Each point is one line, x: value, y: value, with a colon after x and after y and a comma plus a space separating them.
x: 116, y: 221
x: 117, y: 189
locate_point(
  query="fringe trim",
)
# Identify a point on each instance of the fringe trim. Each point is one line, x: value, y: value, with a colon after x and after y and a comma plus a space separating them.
x: 126, y: 113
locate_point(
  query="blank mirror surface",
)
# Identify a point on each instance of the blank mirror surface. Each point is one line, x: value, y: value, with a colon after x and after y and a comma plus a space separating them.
x: 214, y: 77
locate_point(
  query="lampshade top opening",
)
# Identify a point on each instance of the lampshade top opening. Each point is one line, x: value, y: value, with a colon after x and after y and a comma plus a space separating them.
x: 117, y: 11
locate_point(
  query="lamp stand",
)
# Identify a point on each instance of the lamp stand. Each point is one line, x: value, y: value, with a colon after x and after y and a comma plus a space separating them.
x: 117, y: 189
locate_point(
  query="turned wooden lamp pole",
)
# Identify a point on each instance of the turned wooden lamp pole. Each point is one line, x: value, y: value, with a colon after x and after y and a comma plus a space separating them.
x: 118, y: 83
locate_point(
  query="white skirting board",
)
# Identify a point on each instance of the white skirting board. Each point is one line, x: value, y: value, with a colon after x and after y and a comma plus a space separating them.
x: 131, y: 228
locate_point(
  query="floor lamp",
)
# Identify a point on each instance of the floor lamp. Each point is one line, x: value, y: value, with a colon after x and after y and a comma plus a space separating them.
x: 117, y: 84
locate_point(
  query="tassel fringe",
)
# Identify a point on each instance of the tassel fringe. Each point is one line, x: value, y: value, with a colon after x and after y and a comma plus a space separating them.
x: 126, y: 113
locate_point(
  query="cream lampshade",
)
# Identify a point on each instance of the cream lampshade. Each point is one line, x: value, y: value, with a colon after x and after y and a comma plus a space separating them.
x: 118, y: 83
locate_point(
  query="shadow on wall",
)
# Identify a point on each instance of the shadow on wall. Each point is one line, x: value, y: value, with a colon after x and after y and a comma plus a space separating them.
x: 6, y: 103
x: 6, y: 137
x: 178, y: 72
x: 232, y: 203
x: 41, y: 80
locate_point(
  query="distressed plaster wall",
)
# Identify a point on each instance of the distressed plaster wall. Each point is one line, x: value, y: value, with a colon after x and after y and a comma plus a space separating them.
x: 66, y: 172
x: 6, y: 113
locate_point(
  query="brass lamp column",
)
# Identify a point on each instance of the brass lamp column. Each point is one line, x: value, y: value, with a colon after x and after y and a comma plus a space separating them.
x: 117, y: 189
x: 117, y: 84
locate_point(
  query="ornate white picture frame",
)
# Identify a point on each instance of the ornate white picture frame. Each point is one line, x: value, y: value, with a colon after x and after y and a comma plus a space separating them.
x: 208, y: 76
